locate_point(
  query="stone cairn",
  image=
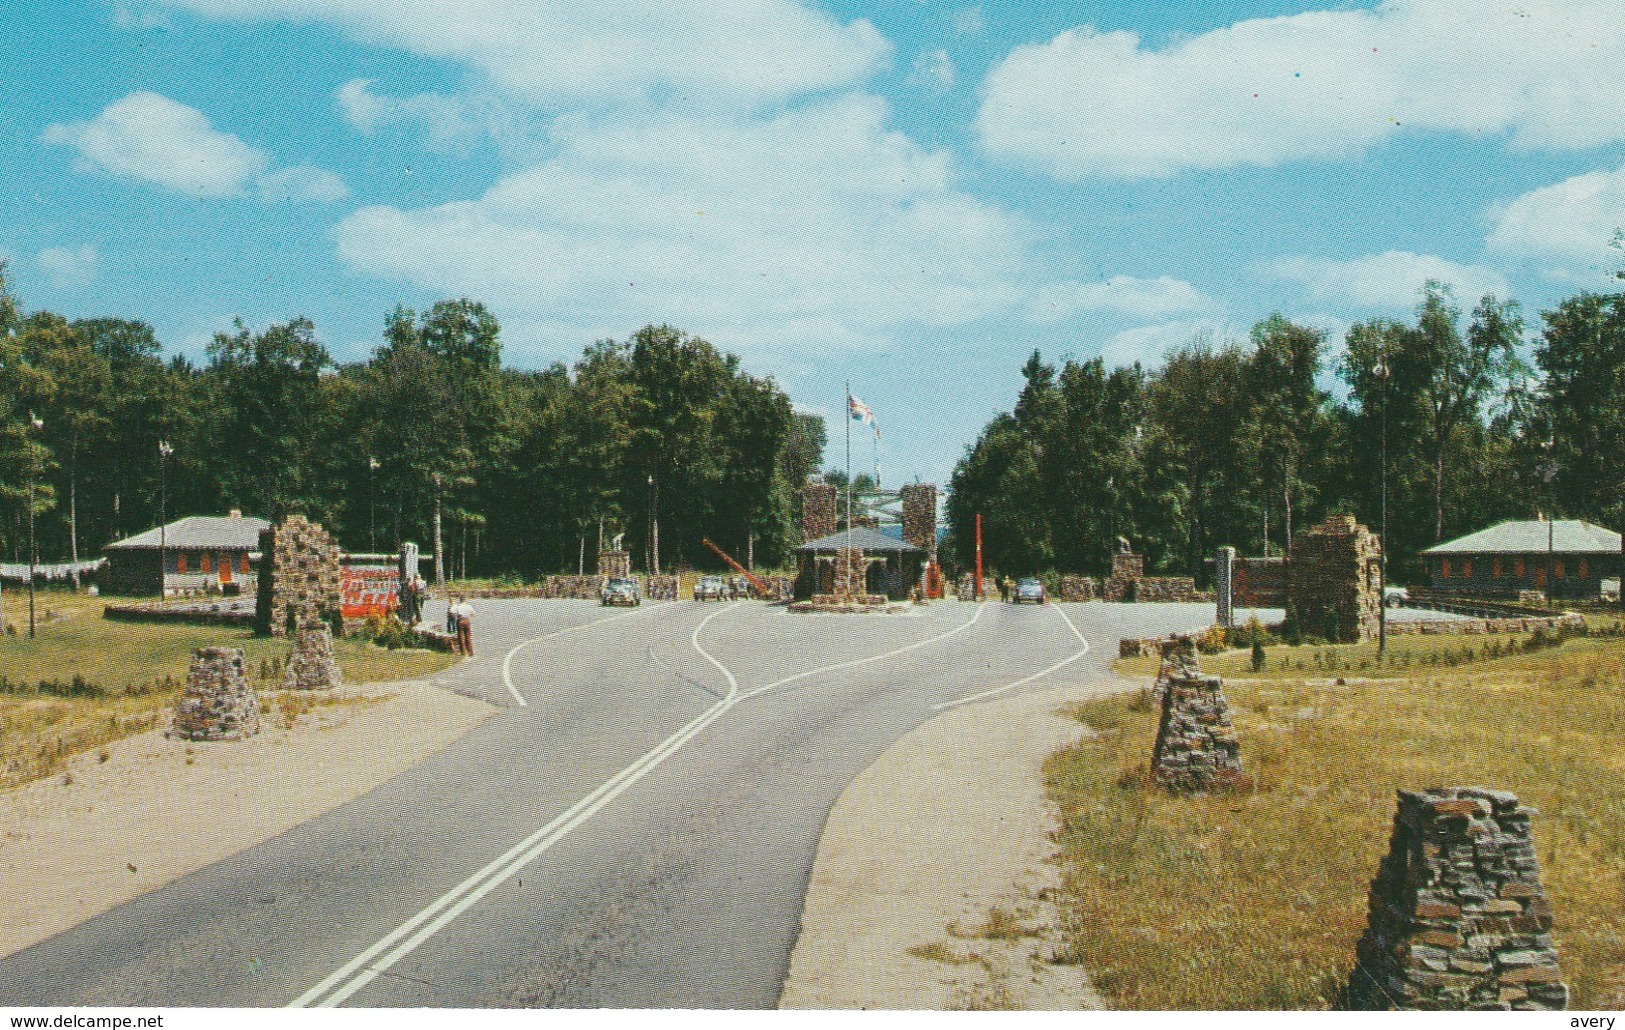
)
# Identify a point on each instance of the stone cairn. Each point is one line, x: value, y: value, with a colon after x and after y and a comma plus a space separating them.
x: 920, y: 516
x: 219, y: 703
x: 312, y: 665
x: 1458, y: 918
x: 1336, y: 571
x: 818, y: 502
x: 304, y: 582
x: 1196, y: 750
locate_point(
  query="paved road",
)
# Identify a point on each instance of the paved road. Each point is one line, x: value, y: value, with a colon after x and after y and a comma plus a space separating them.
x: 635, y: 829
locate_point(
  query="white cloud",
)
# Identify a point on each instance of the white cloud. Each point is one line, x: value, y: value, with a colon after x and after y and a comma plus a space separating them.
x: 67, y: 266
x: 1323, y: 84
x: 1150, y: 344
x: 560, y: 53
x: 934, y: 70
x: 301, y: 183
x: 856, y: 231
x: 1393, y: 279
x: 1571, y: 222
x: 152, y: 138
x: 449, y: 121
x: 149, y: 137
x: 1121, y: 294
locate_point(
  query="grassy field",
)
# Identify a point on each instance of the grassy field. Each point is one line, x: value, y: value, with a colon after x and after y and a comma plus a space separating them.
x: 1255, y: 900
x: 130, y: 675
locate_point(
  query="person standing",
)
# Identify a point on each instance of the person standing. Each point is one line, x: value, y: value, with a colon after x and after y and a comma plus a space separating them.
x: 465, y: 626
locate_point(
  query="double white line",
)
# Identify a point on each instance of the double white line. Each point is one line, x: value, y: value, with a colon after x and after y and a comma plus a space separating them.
x: 410, y: 935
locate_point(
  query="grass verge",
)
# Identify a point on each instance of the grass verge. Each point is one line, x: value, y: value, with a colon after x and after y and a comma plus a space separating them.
x: 107, y: 680
x: 1256, y: 900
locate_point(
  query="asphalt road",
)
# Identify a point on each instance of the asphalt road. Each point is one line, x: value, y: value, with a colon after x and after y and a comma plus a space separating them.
x: 635, y: 829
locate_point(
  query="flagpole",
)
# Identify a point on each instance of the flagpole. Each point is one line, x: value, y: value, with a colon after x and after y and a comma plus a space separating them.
x: 849, y: 465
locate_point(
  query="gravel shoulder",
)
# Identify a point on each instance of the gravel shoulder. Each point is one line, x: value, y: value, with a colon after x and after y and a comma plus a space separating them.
x: 103, y: 832
x: 933, y: 883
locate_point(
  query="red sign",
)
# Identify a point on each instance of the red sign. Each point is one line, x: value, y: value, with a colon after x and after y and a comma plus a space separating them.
x: 369, y: 590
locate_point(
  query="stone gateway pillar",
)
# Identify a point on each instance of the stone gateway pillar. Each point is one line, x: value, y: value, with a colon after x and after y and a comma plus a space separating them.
x: 219, y: 703
x: 1334, y: 580
x: 1224, y: 586
x: 300, y: 579
x: 818, y: 514
x: 1458, y: 918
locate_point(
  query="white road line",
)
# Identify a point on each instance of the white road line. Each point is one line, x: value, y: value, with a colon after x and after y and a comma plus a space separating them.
x: 406, y: 938
x: 866, y: 661
x: 507, y: 662
x: 984, y: 695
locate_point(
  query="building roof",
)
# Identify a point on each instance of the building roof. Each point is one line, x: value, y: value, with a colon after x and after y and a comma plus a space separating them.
x: 861, y: 537
x: 1534, y: 536
x: 225, y: 532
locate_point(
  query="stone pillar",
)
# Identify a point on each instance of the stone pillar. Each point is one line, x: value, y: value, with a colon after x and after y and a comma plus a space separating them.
x: 851, y: 573
x: 1224, y: 561
x: 1196, y: 749
x: 1458, y: 918
x: 305, y: 583
x: 312, y: 665
x: 818, y: 510
x: 219, y: 703
x: 920, y: 516
x: 1334, y: 578
x: 615, y: 564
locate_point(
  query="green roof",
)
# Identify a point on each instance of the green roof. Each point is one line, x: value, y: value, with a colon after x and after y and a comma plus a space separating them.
x: 1534, y: 536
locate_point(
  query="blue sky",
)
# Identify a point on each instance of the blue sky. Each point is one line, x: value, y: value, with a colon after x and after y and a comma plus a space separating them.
x: 911, y: 195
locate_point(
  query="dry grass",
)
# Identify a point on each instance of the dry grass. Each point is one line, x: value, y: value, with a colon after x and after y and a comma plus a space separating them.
x: 1255, y: 901
x: 133, y: 673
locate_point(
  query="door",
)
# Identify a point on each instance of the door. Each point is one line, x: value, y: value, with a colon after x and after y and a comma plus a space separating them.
x: 225, y: 569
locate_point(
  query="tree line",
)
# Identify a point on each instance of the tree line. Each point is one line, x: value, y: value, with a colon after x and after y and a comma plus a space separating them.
x: 1246, y: 444
x: 661, y: 437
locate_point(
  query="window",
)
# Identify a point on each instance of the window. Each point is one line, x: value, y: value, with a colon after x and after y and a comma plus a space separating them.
x: 180, y: 562
x: 1467, y: 568
x: 1444, y: 569
x: 204, y: 565
x: 1517, y: 568
x: 242, y: 564
x: 1496, y: 568
x: 1585, y: 569
x: 1558, y: 571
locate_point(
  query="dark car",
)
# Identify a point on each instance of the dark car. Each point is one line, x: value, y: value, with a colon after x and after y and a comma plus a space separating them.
x: 711, y: 588
x: 621, y: 592
x: 1029, y: 590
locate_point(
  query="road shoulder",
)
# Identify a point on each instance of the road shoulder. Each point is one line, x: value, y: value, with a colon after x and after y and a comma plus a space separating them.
x: 106, y: 830
x: 933, y: 883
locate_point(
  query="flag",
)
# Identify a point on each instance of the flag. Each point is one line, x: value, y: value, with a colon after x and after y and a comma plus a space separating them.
x: 859, y: 411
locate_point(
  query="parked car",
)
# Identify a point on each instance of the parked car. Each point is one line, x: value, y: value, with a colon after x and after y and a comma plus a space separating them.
x: 711, y: 588
x: 621, y: 592
x: 1028, y: 589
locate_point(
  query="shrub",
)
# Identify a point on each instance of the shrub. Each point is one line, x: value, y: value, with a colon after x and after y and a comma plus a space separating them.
x: 1291, y: 632
x: 1258, y: 654
x: 1212, y: 641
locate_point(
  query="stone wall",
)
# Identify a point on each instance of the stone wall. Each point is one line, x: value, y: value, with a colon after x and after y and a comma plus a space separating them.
x: 1335, y: 573
x: 1196, y: 749
x: 1078, y: 588
x: 1457, y: 916
x: 300, y: 579
x: 1260, y: 582
x: 818, y: 510
x: 312, y: 665
x: 920, y: 516
x: 219, y: 703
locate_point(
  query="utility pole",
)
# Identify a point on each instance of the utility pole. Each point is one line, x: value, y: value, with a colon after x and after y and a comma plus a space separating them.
x: 33, y: 551
x: 439, y: 549
x: 164, y: 451
x: 1382, y: 557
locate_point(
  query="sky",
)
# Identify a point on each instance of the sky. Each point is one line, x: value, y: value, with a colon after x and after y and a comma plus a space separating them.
x: 910, y: 196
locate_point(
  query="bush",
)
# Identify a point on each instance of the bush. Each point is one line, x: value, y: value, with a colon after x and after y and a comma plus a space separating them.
x: 1291, y: 632
x: 1212, y: 641
x: 1258, y: 654
x: 390, y: 632
x: 1250, y: 635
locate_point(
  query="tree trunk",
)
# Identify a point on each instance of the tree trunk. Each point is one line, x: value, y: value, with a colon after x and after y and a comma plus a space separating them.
x: 1286, y: 503
x: 439, y: 547
x: 1438, y: 490
x: 73, y: 518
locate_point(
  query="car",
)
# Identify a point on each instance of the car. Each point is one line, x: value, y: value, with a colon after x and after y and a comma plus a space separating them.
x: 621, y: 592
x: 1028, y: 589
x: 711, y: 588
